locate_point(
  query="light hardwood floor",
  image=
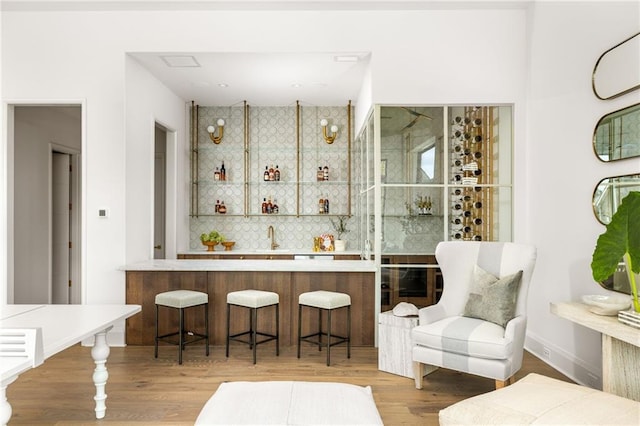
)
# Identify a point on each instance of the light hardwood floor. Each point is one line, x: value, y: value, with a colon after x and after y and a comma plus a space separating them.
x: 147, y: 391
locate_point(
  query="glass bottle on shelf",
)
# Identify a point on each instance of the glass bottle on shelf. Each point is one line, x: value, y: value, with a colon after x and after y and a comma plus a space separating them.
x: 266, y: 174
x: 222, y: 209
x: 272, y: 175
x: 326, y: 204
x: 276, y: 174
x: 321, y: 205
x: 320, y: 174
x: 216, y: 174
x: 264, y: 206
x: 223, y: 172
x: 325, y: 172
x: 275, y: 209
x: 217, y: 209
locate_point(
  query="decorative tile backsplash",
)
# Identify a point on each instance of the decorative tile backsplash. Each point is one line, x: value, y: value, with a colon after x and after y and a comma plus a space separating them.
x: 272, y: 142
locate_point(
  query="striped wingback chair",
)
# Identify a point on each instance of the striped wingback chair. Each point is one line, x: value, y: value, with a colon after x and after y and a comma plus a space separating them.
x: 478, y: 325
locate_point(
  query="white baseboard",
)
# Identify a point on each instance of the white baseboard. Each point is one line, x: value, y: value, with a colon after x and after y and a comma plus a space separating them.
x: 576, y: 369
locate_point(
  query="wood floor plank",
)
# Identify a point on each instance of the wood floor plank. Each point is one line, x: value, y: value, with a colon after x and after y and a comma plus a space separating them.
x: 147, y: 391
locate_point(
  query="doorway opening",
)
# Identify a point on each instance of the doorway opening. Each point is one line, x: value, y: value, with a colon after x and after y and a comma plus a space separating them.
x: 44, y: 199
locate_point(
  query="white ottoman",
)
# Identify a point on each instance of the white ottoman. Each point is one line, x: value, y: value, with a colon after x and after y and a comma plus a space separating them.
x: 542, y: 400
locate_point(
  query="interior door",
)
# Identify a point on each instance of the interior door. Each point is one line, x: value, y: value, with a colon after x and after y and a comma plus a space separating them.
x: 159, y: 194
x: 60, y: 221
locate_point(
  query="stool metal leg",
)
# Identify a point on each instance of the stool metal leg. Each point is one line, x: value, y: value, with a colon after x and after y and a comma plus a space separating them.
x: 328, y: 337
x: 181, y: 336
x: 254, y: 331
x: 206, y: 327
x: 299, y: 327
x: 156, y: 339
x: 278, y: 329
x: 228, y: 327
x: 319, y: 329
x: 349, y: 331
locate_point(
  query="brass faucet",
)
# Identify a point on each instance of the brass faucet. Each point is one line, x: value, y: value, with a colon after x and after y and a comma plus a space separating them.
x: 271, y: 233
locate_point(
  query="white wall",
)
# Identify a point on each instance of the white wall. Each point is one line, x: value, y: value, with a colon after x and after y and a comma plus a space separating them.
x: 566, y: 41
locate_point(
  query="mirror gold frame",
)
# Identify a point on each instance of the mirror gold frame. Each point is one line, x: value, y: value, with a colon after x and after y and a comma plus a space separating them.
x: 617, y: 135
x: 617, y: 70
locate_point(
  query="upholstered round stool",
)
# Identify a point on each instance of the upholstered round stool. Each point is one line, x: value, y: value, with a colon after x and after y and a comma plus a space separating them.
x: 253, y: 300
x: 180, y: 300
x: 325, y: 301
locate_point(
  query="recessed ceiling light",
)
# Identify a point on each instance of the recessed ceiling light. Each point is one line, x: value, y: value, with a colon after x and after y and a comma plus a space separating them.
x: 223, y: 85
x: 296, y: 85
x: 346, y: 58
x: 180, y: 61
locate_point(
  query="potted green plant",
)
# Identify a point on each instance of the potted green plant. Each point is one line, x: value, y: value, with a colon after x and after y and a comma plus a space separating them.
x: 211, y: 239
x: 621, y: 240
x: 340, y: 226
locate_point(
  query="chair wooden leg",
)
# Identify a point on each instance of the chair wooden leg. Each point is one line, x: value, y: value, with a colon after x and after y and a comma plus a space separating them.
x: 418, y: 373
x: 500, y: 383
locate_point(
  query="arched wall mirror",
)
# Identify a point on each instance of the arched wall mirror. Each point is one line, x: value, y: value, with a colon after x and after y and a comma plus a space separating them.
x: 617, y: 70
x: 609, y: 193
x: 617, y: 135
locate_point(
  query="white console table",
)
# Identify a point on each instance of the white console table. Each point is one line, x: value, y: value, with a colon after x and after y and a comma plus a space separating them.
x: 620, y: 348
x: 63, y: 326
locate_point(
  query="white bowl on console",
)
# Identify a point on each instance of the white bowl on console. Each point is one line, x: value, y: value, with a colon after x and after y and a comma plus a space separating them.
x: 607, y: 305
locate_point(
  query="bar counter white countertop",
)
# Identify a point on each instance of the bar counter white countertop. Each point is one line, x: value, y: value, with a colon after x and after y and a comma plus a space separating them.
x: 272, y: 265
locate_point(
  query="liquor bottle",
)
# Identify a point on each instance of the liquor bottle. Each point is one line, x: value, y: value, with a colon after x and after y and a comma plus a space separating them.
x: 222, y: 209
x: 478, y: 204
x: 272, y: 173
x: 466, y: 229
x: 326, y: 204
x: 477, y: 238
x: 457, y: 206
x: 325, y: 172
x: 477, y: 155
x: 319, y: 174
x: 477, y: 122
x: 457, y: 235
x: 269, y: 206
x: 266, y: 174
x: 223, y: 172
x: 217, y: 206
x: 466, y: 213
x: 477, y: 221
x: 275, y: 209
x: 321, y: 205
x: 216, y: 174
x: 457, y: 221
x: 477, y: 138
x: 264, y: 206
x: 458, y: 191
x: 276, y: 173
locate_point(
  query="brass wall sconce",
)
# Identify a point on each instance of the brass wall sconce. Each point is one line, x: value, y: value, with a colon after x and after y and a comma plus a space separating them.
x: 212, y: 130
x: 334, y: 131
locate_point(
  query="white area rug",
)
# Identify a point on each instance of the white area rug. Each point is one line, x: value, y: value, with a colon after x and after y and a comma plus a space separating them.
x: 290, y: 403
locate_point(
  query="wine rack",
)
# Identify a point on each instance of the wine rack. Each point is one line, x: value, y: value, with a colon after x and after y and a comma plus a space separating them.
x: 471, y: 153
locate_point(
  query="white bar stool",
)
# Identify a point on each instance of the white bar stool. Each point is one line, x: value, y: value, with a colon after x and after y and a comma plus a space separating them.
x: 182, y: 299
x: 325, y: 301
x: 254, y: 300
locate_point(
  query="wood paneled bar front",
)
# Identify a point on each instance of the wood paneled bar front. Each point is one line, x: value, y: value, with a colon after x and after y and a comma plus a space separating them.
x: 288, y: 278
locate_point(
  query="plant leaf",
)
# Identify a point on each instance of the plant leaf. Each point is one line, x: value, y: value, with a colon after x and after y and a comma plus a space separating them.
x: 621, y: 236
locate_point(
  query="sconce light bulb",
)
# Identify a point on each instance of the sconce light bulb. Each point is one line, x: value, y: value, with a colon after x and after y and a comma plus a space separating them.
x: 324, y: 122
x: 220, y: 122
x: 334, y: 128
x: 211, y: 129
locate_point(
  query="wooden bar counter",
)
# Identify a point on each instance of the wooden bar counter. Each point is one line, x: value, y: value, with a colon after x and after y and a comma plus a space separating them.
x: 288, y: 278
